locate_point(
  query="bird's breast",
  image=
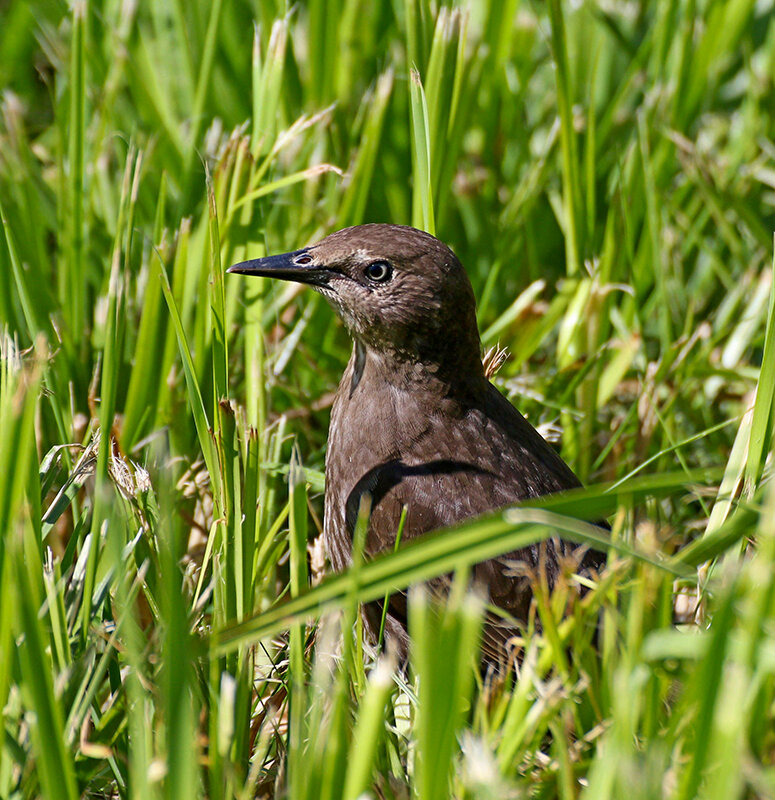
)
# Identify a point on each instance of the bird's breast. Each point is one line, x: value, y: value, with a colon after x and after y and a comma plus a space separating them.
x: 400, y: 451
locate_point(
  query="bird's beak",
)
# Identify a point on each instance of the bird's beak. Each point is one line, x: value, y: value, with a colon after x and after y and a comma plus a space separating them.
x: 298, y: 266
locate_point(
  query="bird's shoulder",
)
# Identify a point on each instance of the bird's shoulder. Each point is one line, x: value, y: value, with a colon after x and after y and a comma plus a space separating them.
x: 525, y: 447
x: 491, y: 443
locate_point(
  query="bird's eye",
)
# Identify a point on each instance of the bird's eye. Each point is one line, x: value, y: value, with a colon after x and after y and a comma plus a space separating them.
x: 379, y: 271
x: 303, y: 260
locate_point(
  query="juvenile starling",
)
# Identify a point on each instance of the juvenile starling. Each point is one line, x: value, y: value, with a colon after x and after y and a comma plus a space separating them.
x: 415, y: 421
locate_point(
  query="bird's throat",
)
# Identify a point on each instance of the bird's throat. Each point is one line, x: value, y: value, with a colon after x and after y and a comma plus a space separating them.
x: 386, y: 373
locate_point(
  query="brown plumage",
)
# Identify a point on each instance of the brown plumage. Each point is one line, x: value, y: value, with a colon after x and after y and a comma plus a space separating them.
x: 415, y: 422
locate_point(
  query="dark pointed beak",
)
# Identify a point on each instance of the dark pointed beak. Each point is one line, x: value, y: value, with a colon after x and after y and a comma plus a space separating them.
x: 298, y: 266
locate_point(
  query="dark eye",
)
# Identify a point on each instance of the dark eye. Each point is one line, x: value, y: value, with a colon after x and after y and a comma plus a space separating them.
x: 303, y: 259
x: 379, y: 271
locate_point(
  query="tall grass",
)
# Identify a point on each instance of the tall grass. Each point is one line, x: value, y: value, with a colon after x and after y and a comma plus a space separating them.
x: 605, y: 174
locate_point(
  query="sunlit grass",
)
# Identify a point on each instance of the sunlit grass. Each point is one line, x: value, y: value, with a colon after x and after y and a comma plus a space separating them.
x: 604, y: 172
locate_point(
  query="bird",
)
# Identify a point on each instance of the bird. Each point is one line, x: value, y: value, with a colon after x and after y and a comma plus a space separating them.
x: 416, y: 424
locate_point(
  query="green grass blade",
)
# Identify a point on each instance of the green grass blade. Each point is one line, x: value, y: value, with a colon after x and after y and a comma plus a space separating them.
x: 433, y: 555
x: 73, y: 283
x: 298, y: 583
x: 764, y: 405
x: 570, y: 163
x: 108, y: 390
x: 194, y: 394
x: 217, y: 305
x: 367, y: 731
x: 422, y: 191
x: 444, y: 648
x: 54, y: 765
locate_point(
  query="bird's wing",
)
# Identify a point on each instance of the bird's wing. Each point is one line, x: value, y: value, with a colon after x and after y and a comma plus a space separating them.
x: 484, y: 457
x: 461, y: 467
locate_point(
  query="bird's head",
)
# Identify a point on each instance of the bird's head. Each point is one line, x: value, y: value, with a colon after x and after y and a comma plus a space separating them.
x: 399, y: 291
